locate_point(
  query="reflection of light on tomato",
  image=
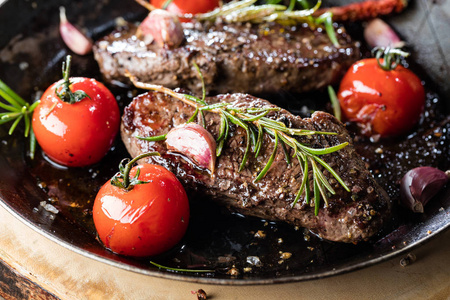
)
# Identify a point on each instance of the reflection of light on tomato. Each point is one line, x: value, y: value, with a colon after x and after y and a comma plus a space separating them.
x: 388, y: 103
x: 147, y: 220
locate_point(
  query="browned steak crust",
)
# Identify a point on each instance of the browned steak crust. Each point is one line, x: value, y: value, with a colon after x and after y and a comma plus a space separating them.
x: 245, y: 58
x: 349, y: 217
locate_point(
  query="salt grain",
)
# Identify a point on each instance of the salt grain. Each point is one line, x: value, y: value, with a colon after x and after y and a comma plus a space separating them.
x: 254, y: 260
x: 48, y: 207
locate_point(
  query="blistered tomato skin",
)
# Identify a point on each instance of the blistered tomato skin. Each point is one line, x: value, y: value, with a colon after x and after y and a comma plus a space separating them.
x: 145, y: 221
x: 77, y: 134
x: 388, y: 103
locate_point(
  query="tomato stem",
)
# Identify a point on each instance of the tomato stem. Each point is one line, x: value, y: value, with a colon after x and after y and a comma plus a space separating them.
x: 122, y: 178
x: 63, y: 90
x: 390, y: 57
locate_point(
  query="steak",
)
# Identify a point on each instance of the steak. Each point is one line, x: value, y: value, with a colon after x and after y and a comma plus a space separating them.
x: 233, y: 58
x: 349, y: 216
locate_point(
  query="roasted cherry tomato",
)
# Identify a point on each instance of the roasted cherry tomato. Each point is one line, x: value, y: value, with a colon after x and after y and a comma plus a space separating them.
x: 187, y: 6
x: 382, y: 102
x: 147, y: 220
x: 81, y: 133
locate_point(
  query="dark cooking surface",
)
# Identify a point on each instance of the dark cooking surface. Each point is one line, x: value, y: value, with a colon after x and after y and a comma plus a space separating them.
x: 215, y: 238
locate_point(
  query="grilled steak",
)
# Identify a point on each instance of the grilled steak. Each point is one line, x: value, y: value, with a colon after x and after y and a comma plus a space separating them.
x: 349, y: 217
x: 234, y: 58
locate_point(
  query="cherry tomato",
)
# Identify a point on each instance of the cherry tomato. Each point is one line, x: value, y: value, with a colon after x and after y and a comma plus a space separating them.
x: 388, y: 103
x: 81, y: 133
x: 187, y: 6
x: 147, y: 220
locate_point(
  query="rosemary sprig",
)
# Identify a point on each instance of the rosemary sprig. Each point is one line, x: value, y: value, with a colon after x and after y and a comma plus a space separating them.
x: 335, y: 103
x: 181, y: 270
x: 166, y: 4
x: 256, y: 124
x: 245, y: 11
x: 327, y: 20
x: 16, y: 109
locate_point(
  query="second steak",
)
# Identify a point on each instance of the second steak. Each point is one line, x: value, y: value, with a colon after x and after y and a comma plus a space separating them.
x: 246, y: 58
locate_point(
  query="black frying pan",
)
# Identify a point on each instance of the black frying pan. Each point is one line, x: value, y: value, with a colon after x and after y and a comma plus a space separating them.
x: 30, y: 60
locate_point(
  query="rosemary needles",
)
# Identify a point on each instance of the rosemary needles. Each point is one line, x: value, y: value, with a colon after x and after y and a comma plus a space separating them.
x: 17, y: 109
x: 256, y: 124
x: 246, y: 11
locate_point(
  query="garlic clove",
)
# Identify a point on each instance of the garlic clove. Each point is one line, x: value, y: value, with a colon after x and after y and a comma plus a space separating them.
x: 194, y: 142
x: 164, y: 27
x: 378, y: 33
x: 72, y: 37
x: 419, y: 185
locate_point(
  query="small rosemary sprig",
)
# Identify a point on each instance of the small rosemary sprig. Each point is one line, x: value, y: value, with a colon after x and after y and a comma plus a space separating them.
x: 181, y: 270
x: 335, y: 103
x: 255, y: 123
x: 17, y: 109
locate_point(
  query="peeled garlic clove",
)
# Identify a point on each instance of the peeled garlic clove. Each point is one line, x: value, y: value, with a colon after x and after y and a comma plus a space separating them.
x: 419, y: 185
x: 72, y: 37
x: 195, y: 142
x: 379, y: 34
x: 164, y: 27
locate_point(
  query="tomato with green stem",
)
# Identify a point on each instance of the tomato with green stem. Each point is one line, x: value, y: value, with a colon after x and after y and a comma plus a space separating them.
x: 76, y: 121
x: 142, y: 211
x: 381, y: 96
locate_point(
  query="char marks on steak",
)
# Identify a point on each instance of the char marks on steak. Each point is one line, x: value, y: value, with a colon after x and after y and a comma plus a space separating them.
x: 349, y: 217
x: 254, y: 59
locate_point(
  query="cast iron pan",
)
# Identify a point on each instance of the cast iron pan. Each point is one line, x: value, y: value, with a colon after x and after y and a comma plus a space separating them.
x: 30, y: 60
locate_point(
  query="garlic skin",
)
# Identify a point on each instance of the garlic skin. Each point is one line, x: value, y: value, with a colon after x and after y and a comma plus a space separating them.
x: 194, y: 142
x: 164, y: 27
x: 72, y: 37
x: 419, y: 185
x: 379, y: 34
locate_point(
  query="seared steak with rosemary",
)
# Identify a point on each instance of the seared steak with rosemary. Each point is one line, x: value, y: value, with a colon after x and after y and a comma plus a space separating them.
x: 254, y: 59
x: 349, y: 216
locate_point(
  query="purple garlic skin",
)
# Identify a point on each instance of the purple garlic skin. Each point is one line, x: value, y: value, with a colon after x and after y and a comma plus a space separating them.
x: 379, y: 34
x: 194, y: 142
x: 419, y: 185
x: 72, y: 37
x: 164, y: 27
